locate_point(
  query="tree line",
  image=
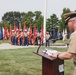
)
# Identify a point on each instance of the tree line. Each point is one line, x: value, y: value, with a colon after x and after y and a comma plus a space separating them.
x: 34, y: 18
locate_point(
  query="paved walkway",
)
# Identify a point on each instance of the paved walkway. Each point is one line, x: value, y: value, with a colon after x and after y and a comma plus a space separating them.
x: 9, y: 46
x: 5, y: 46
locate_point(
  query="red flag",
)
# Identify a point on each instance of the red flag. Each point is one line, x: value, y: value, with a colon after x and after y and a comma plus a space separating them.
x: 35, y: 33
x: 30, y: 34
x: 20, y: 29
x: 18, y: 36
x: 24, y: 28
x: 5, y: 31
x: 10, y: 34
x: 14, y: 27
x: 10, y: 30
x: 30, y: 31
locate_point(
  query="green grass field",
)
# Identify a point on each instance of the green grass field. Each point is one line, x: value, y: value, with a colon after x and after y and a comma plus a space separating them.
x: 25, y: 62
x: 4, y: 41
x: 61, y: 41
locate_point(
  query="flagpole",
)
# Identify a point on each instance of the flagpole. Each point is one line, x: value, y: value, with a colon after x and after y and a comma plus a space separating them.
x: 45, y: 10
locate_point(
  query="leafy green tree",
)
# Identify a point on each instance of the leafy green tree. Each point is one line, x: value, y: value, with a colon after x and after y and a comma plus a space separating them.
x: 65, y: 10
x: 37, y: 14
x: 38, y: 19
x: 52, y: 22
x: 28, y: 18
x: 33, y: 18
x: 12, y: 17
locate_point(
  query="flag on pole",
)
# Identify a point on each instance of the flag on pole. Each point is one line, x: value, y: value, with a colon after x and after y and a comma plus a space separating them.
x: 42, y: 36
x: 14, y: 27
x: 19, y: 33
x: 30, y: 34
x: 18, y: 36
x: 35, y: 33
x: 10, y: 34
x: 24, y: 28
x: 10, y: 30
x: 5, y: 32
x: 30, y: 31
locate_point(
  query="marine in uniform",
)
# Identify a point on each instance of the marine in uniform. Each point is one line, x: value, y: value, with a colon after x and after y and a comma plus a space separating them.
x: 13, y: 37
x: 47, y: 38
x: 16, y: 37
x: 25, y: 38
x: 20, y: 37
x: 70, y: 19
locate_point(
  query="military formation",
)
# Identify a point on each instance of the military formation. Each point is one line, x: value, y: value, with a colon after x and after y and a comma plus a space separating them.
x: 24, y: 38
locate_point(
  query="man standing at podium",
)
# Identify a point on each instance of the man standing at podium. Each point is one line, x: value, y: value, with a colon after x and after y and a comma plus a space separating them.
x: 70, y: 19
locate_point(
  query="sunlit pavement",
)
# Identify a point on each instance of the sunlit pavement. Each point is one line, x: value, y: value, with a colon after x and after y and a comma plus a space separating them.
x: 5, y: 46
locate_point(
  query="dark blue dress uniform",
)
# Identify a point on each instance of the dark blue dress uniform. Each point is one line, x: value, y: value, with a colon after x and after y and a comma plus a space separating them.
x: 13, y: 38
x: 20, y: 40
x: 25, y: 39
x: 16, y: 40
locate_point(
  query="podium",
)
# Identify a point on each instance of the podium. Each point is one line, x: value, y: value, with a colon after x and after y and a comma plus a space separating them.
x: 51, y: 66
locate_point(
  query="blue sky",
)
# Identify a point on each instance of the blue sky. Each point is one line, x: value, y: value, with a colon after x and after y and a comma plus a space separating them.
x: 53, y: 6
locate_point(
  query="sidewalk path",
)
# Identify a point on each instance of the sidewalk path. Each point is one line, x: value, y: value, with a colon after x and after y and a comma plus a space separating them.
x: 5, y: 46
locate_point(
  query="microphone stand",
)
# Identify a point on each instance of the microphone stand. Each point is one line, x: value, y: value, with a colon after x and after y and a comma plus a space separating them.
x: 38, y: 48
